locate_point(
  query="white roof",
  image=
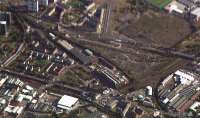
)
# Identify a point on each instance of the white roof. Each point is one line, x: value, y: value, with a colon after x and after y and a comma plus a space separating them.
x: 2, y: 101
x: 67, y: 101
x: 176, y: 6
x: 196, y: 12
x: 194, y: 106
x: 29, y: 87
x: 3, y: 22
x: 20, y: 98
x: 2, y: 81
x: 185, y: 78
x: 19, y: 111
x: 166, y: 100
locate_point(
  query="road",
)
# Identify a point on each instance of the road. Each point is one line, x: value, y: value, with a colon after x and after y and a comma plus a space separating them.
x: 107, y: 15
x: 15, y: 55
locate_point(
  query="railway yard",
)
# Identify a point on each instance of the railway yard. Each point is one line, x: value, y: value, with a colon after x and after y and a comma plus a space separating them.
x: 99, y: 59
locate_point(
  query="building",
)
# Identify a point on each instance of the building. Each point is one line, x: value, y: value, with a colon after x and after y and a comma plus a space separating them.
x: 179, y: 91
x: 190, y: 4
x: 176, y: 7
x: 195, y: 106
x: 3, y: 28
x: 16, y: 110
x: 5, y: 16
x: 195, y: 14
x: 149, y: 90
x: 32, y: 5
x: 184, y: 77
x: 44, y: 2
x: 82, y: 58
x: 67, y: 102
x: 126, y: 109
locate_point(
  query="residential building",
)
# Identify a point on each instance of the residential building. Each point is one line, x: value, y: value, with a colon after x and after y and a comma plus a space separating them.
x: 5, y: 16
x: 44, y: 2
x: 3, y: 28
x: 32, y: 5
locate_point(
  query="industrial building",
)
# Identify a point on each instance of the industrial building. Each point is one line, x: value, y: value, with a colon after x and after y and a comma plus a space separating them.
x: 67, y: 102
x: 84, y: 59
x: 114, y: 79
x: 179, y: 90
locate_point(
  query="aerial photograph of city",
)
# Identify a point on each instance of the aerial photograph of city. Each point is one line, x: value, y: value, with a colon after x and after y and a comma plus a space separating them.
x: 99, y: 58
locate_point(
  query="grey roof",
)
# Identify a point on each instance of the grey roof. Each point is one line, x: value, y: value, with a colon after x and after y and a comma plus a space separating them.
x: 80, y: 56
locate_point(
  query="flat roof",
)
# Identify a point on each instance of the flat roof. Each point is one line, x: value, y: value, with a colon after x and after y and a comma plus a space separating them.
x: 67, y: 102
x: 84, y: 59
x: 178, y: 7
x: 194, y: 106
x: 3, y: 22
x: 196, y: 11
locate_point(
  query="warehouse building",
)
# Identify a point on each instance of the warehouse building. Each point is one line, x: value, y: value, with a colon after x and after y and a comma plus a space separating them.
x: 84, y: 59
x: 67, y: 102
x: 179, y: 90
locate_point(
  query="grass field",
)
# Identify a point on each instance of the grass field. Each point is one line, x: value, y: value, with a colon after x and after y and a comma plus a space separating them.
x: 160, y: 3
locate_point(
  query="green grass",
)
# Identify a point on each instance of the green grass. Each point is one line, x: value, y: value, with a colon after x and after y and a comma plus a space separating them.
x: 82, y: 74
x: 74, y: 4
x: 71, y: 17
x: 14, y: 36
x: 70, y: 78
x: 160, y: 3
